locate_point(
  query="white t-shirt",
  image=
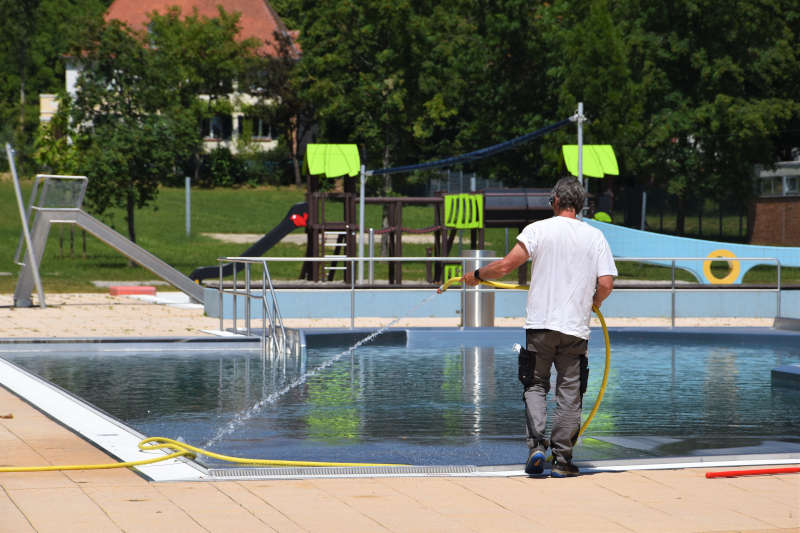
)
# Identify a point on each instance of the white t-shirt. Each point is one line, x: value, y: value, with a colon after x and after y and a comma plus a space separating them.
x: 567, y: 257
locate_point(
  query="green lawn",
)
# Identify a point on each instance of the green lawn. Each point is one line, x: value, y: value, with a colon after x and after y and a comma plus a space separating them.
x: 161, y: 230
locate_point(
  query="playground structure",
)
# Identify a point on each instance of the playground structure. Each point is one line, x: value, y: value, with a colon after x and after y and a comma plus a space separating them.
x: 491, y: 208
x: 452, y: 213
x: 344, y: 233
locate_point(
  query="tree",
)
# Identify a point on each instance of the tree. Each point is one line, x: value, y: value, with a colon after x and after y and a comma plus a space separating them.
x: 357, y: 71
x: 195, y: 55
x: 481, y: 83
x: 414, y: 81
x: 271, y: 80
x: 588, y: 61
x: 132, y: 131
x: 730, y: 76
x: 36, y: 34
x: 141, y: 98
x: 691, y: 94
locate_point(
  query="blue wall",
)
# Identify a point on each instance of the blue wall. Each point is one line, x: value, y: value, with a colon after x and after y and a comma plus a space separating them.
x: 333, y: 303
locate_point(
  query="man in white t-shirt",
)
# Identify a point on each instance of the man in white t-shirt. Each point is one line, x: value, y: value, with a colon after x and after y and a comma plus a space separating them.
x: 572, y: 270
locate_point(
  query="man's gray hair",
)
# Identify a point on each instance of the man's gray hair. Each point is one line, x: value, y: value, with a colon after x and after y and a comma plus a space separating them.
x: 570, y: 194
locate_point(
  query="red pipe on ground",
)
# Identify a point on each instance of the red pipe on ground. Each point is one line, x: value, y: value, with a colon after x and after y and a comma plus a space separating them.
x: 758, y: 472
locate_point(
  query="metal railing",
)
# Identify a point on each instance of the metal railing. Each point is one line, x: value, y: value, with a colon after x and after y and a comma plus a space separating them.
x: 273, y: 332
x: 275, y: 316
x: 727, y: 287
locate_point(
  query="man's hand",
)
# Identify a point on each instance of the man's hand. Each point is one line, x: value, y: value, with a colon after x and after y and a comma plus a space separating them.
x: 469, y: 279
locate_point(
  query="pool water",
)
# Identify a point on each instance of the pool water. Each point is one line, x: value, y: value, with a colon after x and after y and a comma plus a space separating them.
x: 439, y: 402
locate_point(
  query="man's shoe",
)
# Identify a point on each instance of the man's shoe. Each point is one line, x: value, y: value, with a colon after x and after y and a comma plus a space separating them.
x: 535, y: 463
x: 564, y: 469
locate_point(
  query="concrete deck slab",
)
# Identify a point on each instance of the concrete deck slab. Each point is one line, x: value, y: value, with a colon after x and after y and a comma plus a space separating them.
x: 121, y: 500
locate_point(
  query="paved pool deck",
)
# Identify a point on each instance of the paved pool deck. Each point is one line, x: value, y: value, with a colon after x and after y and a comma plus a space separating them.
x: 674, y: 500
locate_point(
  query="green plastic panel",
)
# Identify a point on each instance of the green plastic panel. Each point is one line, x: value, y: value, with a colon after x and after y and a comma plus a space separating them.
x: 463, y: 211
x: 598, y: 160
x: 332, y: 160
x: 452, y: 271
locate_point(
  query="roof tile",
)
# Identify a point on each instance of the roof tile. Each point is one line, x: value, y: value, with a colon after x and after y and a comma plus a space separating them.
x: 258, y: 18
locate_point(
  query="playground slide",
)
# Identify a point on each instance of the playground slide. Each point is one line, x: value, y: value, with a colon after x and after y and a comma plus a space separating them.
x: 41, y: 228
x: 629, y: 242
x: 295, y: 218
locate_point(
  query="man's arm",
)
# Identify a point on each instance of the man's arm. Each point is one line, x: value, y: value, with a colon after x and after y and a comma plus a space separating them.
x: 501, y: 267
x: 605, y: 284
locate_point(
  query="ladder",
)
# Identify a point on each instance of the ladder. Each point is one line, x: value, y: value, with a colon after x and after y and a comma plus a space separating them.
x: 332, y: 244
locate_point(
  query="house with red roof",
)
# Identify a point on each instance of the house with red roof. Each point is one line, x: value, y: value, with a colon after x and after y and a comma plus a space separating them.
x: 257, y: 19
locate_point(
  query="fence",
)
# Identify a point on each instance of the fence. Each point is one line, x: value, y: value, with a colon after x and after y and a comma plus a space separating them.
x: 460, y: 182
x: 703, y: 217
x: 244, y: 264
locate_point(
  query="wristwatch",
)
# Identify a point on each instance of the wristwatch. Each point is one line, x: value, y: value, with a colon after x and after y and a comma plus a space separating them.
x: 477, y: 275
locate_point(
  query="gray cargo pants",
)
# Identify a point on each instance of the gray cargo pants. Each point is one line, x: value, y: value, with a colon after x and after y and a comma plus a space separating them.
x: 568, y: 354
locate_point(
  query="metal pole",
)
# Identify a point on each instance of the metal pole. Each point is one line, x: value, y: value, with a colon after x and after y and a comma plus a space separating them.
x: 31, y: 201
x: 644, y: 209
x: 371, y: 256
x: 361, y: 225
x: 353, y: 300
x: 188, y: 206
x: 673, y: 293
x: 235, y: 302
x: 580, y: 142
x: 264, y: 305
x: 31, y: 256
x: 247, y: 298
x: 463, y: 292
x: 778, y: 261
x: 221, y: 300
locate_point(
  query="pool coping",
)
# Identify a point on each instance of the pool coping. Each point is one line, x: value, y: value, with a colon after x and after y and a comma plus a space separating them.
x: 121, y: 441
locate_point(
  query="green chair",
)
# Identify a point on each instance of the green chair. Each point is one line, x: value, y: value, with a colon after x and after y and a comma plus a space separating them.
x: 452, y: 271
x: 463, y: 211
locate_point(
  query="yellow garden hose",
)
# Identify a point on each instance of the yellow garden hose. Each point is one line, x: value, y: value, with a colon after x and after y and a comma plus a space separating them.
x: 181, y: 449
x: 173, y: 444
x: 500, y: 285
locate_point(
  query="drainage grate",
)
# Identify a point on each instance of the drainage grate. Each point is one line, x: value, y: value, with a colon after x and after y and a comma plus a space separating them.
x: 340, y: 471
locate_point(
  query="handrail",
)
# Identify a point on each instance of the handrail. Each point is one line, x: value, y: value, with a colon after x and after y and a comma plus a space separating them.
x: 674, y: 288
x: 270, y: 313
x: 276, y: 312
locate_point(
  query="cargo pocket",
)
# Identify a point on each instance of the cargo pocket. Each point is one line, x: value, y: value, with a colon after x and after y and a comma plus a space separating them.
x: 584, y: 374
x: 527, y: 364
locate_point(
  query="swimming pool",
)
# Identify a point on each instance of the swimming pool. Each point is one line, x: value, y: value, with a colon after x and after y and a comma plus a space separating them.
x: 436, y: 396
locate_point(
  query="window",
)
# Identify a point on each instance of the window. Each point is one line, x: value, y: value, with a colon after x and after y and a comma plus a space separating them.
x: 792, y: 185
x: 771, y: 186
x: 218, y: 127
x: 780, y: 186
x: 257, y: 128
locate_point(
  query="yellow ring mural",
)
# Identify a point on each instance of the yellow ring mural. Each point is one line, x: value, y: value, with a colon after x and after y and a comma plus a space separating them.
x: 732, y: 275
